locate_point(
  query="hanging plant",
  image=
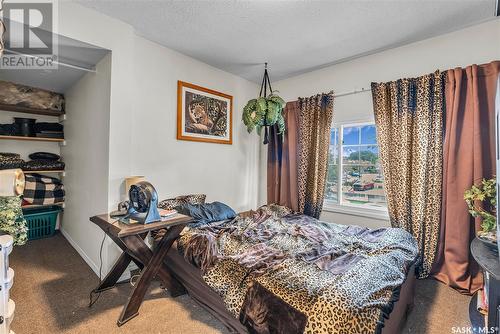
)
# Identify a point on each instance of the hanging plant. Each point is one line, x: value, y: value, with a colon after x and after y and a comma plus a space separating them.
x: 264, y: 111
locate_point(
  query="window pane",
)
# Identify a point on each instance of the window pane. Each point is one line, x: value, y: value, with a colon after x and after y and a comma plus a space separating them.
x: 333, y: 156
x: 362, y: 183
x: 350, y: 155
x: 350, y: 135
x: 334, y: 148
x: 334, y: 137
x: 349, y: 178
x: 331, y: 191
x: 365, y: 185
x: 368, y: 154
x: 368, y: 134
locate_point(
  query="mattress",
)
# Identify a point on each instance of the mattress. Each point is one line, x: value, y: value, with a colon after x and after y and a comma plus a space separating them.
x: 282, y: 272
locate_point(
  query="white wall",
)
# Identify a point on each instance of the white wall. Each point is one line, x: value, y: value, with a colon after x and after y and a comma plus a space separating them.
x: 89, y: 26
x: 477, y: 44
x: 86, y: 155
x: 92, y: 27
x: 225, y: 173
x: 142, y: 123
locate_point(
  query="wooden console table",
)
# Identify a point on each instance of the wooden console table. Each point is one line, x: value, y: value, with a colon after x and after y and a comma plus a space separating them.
x: 130, y: 238
x: 487, y: 257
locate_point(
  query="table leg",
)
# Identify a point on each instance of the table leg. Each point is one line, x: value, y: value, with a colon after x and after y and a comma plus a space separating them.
x: 119, y: 267
x: 116, y: 272
x: 154, y: 265
x: 141, y: 252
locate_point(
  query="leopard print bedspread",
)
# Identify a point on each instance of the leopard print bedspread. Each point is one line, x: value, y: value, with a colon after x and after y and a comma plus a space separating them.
x: 342, y: 278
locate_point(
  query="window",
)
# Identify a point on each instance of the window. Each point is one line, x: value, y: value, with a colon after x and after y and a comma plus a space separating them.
x: 354, y: 175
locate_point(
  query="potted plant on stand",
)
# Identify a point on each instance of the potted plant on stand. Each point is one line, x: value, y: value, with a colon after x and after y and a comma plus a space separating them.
x: 482, y: 202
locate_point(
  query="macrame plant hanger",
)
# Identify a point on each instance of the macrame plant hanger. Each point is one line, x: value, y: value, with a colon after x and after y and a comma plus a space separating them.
x: 263, y: 89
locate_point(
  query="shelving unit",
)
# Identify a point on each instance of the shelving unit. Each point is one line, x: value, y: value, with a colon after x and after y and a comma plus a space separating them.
x: 26, y: 110
x: 58, y: 117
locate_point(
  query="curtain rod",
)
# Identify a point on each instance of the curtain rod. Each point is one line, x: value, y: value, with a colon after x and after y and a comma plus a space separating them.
x: 356, y: 91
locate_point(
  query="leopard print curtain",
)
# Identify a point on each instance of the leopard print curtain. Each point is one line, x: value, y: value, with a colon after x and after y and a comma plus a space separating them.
x: 409, y: 118
x: 315, y: 119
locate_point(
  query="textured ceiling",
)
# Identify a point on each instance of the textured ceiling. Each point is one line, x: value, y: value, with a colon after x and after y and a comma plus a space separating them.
x: 293, y: 36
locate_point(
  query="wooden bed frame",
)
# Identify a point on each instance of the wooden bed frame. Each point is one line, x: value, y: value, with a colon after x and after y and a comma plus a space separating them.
x: 190, y: 277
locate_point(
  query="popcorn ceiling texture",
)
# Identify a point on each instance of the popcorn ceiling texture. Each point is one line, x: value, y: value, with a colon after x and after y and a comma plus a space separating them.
x: 293, y: 36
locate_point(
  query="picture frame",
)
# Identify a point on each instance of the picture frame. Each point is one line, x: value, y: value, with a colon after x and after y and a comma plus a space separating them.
x: 203, y: 114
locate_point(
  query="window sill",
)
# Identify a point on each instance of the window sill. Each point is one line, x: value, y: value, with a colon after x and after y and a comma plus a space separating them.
x: 354, y: 211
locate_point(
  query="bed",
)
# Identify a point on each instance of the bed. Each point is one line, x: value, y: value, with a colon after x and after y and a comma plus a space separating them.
x: 274, y: 271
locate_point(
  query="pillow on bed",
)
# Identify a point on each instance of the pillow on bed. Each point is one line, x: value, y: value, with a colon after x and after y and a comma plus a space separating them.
x: 172, y: 203
x: 208, y: 212
x: 275, y: 210
x: 175, y: 203
x: 194, y: 199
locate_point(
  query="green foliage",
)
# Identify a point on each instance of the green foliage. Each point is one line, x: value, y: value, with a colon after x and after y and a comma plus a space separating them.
x: 364, y: 155
x: 264, y: 111
x: 479, y: 199
x: 12, y: 220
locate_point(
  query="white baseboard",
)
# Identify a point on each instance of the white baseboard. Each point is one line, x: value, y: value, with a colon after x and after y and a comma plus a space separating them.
x: 80, y: 251
x: 92, y: 265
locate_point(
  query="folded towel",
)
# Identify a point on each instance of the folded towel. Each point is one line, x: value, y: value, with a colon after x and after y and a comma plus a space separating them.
x: 38, y: 165
x: 46, y: 126
x: 10, y: 161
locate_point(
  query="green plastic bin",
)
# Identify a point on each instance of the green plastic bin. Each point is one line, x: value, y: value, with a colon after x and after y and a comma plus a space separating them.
x: 41, y: 221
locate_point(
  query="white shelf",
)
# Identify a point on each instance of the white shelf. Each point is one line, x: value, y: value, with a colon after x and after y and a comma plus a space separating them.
x: 44, y: 172
x: 31, y: 206
x: 33, y: 111
x: 56, y: 140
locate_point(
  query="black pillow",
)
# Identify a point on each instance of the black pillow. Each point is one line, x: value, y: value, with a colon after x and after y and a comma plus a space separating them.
x: 44, y: 156
x: 207, y: 212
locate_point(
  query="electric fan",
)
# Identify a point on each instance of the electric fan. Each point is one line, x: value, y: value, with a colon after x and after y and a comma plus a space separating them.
x: 143, y: 204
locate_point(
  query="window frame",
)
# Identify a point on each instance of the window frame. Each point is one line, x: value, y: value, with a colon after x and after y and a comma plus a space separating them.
x: 350, y: 209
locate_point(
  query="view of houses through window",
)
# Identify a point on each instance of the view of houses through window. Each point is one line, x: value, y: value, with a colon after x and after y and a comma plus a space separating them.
x: 354, y: 170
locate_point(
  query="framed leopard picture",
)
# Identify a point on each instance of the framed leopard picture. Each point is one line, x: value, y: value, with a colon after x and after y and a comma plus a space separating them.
x: 203, y: 114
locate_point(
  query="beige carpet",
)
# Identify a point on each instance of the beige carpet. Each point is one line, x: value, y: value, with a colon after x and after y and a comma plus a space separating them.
x: 52, y: 284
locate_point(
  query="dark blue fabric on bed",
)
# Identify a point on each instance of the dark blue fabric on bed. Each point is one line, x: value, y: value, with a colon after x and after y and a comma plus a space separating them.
x: 208, y: 212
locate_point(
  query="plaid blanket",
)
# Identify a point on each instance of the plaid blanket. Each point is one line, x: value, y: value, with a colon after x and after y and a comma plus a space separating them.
x: 41, y: 189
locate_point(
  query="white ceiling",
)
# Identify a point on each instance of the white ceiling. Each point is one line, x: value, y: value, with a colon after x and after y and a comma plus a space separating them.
x: 293, y: 36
